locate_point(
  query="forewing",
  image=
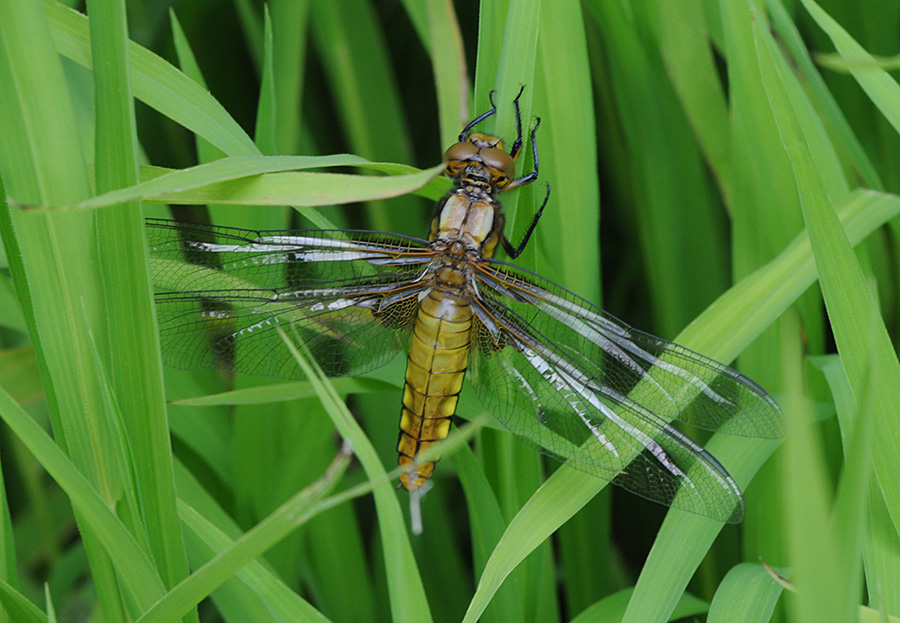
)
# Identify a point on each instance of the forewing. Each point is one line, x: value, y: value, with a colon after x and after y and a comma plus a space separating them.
x: 350, y: 297
x: 590, y: 390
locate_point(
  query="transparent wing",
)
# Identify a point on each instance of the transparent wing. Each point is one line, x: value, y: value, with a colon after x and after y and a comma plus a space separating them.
x: 588, y: 389
x: 222, y: 292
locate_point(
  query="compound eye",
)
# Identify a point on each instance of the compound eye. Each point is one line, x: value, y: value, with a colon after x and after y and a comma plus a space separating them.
x: 498, y: 160
x: 461, y: 152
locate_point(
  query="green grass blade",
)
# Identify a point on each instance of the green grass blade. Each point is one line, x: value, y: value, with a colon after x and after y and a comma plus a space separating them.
x: 17, y: 606
x: 232, y: 559
x: 283, y: 392
x: 685, y: 49
x: 611, y: 608
x: 157, y: 83
x: 405, y: 588
x: 765, y: 217
x: 568, y: 155
x: 513, y: 38
x: 846, y: 141
x: 42, y: 160
x: 684, y: 539
x: 748, y: 593
x: 254, y: 593
x: 877, y: 83
x: 265, y: 135
x: 806, y: 500
x: 135, y: 568
x: 266, y: 180
x: 290, y: 27
x: 672, y: 200
x: 487, y: 528
x: 206, y: 151
x: 852, y: 503
x: 449, y: 63
x: 128, y: 342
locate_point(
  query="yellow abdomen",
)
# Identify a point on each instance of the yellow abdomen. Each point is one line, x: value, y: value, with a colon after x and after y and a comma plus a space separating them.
x: 435, y: 368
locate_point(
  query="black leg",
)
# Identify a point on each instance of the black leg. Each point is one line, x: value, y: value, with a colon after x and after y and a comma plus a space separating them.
x: 527, y: 179
x: 517, y: 145
x: 464, y: 135
x: 513, y: 253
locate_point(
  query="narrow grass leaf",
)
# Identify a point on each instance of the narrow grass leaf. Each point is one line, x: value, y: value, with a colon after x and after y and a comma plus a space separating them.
x: 673, y: 199
x: 684, y: 539
x: 832, y: 115
x: 748, y: 593
x: 407, y: 594
x: 157, y: 83
x: 518, y: 60
x: 16, y: 605
x: 881, y: 555
x: 206, y: 151
x: 764, y: 214
x: 684, y: 44
x: 764, y: 219
x: 282, y: 392
x: 611, y: 608
x: 229, y: 561
x: 807, y: 500
x: 559, y: 498
x: 417, y: 13
x: 448, y: 61
x: 568, y: 156
x: 265, y: 134
x: 127, y: 339
x: 251, y: 27
x: 851, y: 504
x: 264, y: 180
x: 51, y: 612
x: 301, y: 189
x: 290, y: 28
x: 881, y: 88
x: 487, y: 527
x: 135, y: 568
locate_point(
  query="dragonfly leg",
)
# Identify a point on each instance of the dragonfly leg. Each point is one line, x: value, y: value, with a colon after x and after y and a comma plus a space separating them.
x: 464, y: 135
x: 517, y: 144
x: 513, y: 253
x: 525, y: 179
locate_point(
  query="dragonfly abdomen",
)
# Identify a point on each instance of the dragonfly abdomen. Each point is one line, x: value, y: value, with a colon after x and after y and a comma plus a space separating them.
x: 435, y: 368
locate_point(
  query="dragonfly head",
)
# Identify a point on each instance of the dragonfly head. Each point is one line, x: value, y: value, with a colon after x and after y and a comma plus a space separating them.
x: 484, y: 154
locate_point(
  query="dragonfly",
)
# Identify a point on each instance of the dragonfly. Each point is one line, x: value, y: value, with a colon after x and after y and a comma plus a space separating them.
x: 560, y: 373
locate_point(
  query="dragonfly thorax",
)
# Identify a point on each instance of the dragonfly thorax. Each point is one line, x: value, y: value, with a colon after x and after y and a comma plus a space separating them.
x: 469, y: 219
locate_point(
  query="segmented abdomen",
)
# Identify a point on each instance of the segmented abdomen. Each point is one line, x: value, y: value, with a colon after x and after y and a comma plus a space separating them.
x: 435, y: 368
